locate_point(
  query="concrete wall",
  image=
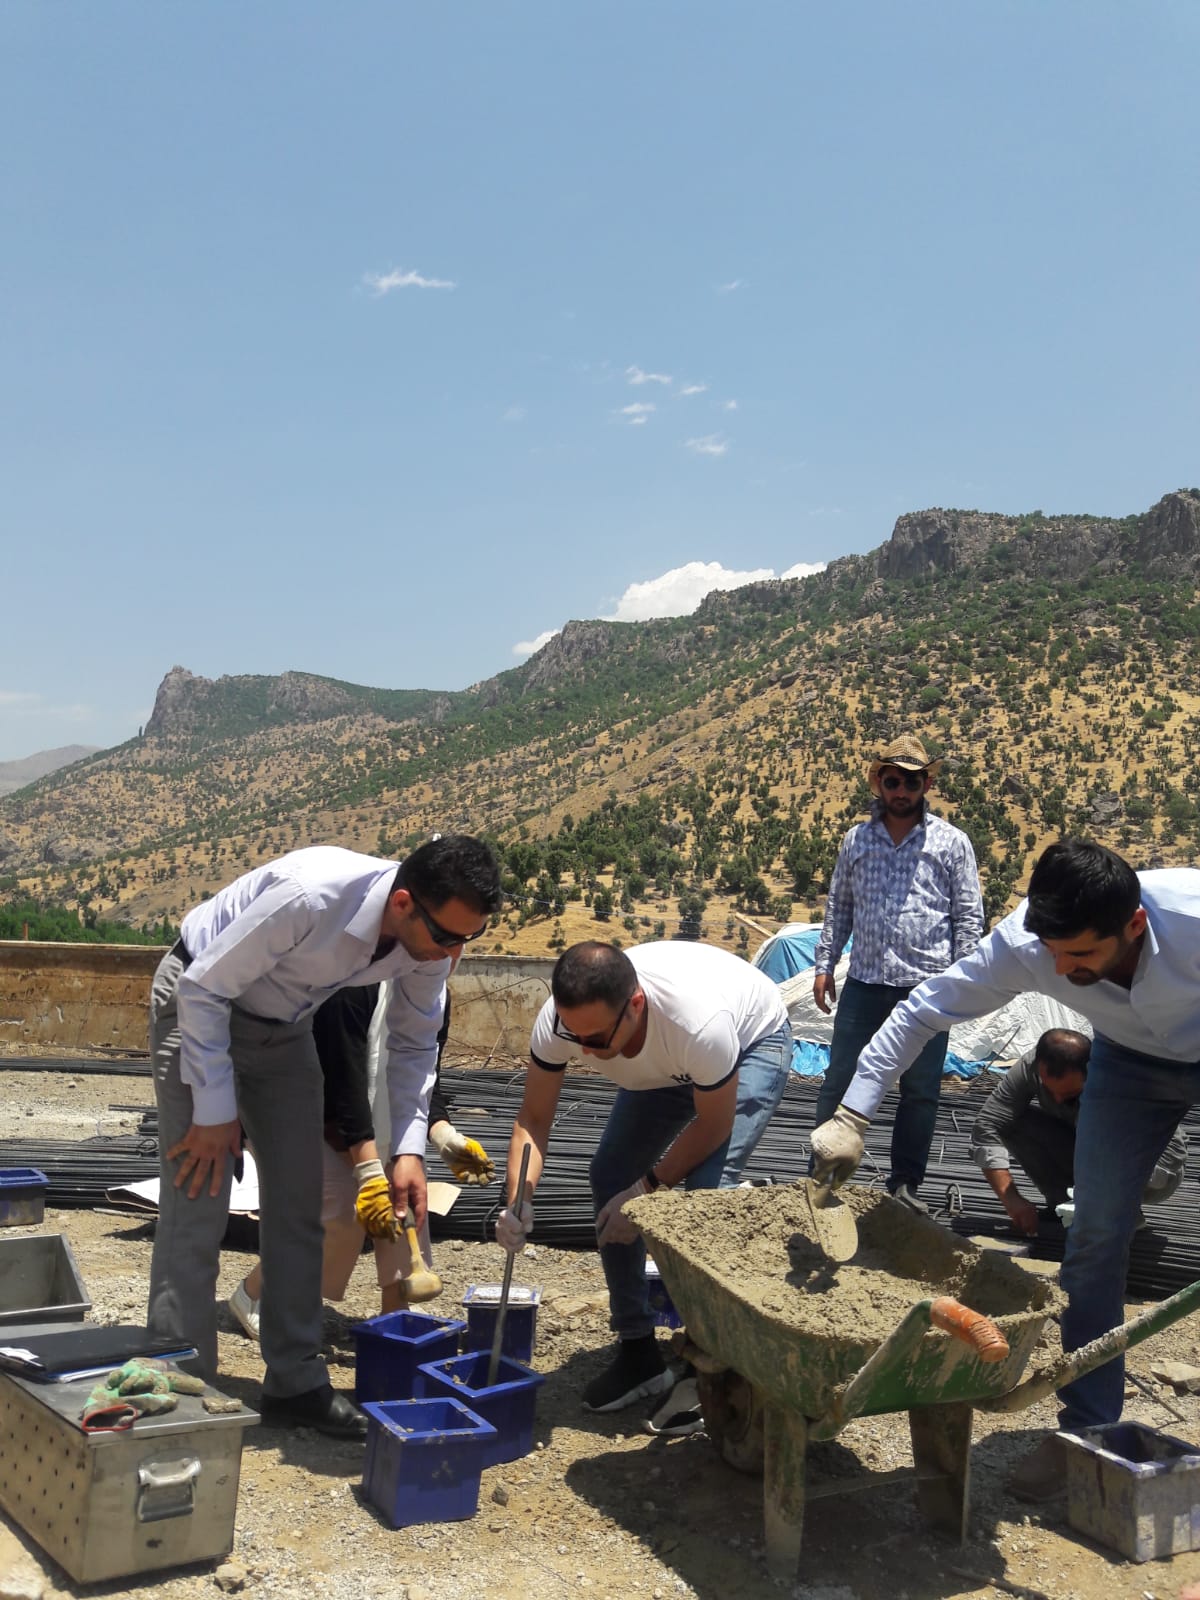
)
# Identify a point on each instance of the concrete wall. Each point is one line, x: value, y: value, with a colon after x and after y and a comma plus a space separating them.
x: 75, y: 996
x: 89, y: 996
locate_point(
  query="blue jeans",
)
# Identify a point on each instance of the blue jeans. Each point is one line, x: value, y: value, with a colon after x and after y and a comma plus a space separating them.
x: 1130, y: 1108
x: 862, y: 1009
x: 640, y: 1126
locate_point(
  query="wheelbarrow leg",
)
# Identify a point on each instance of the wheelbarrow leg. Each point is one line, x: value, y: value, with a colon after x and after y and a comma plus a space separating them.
x: 941, y: 1443
x: 785, y: 1439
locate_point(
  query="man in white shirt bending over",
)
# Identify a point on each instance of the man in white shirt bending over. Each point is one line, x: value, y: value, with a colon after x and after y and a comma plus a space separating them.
x: 699, y: 1043
x: 1123, y: 949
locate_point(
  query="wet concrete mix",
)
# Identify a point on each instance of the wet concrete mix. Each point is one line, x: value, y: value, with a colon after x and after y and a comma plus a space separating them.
x: 760, y: 1245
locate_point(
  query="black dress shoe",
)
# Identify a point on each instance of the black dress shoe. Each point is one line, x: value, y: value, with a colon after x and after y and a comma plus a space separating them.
x: 323, y: 1409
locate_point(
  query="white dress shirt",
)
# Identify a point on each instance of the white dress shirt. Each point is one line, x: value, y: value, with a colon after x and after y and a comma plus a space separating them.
x: 1159, y: 1015
x: 280, y: 940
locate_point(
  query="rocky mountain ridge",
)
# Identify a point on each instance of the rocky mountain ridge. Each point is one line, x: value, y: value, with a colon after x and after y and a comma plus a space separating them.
x: 740, y: 728
x: 16, y: 774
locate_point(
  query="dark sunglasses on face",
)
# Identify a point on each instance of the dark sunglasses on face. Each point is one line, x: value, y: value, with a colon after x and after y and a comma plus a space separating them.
x: 589, y: 1041
x: 444, y: 938
x: 912, y: 781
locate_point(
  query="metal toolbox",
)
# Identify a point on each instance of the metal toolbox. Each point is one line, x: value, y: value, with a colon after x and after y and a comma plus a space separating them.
x: 108, y: 1505
x: 39, y: 1281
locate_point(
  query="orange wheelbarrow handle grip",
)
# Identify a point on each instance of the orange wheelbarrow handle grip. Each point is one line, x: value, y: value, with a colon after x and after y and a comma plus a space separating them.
x: 972, y: 1327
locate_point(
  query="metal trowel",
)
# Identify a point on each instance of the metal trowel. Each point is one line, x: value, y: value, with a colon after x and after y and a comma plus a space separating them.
x: 834, y: 1227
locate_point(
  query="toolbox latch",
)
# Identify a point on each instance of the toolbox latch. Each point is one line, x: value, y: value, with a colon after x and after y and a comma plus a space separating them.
x: 167, y: 1488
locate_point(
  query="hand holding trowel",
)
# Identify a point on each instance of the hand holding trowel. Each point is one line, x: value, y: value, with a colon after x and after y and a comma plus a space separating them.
x: 836, y: 1151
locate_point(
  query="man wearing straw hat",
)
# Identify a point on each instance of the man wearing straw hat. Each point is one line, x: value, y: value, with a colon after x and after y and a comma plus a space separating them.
x: 907, y: 887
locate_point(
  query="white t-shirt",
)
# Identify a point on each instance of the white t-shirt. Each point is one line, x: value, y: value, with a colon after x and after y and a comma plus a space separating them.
x: 704, y: 1008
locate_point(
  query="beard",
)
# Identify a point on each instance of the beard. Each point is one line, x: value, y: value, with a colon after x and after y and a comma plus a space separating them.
x: 1084, y: 980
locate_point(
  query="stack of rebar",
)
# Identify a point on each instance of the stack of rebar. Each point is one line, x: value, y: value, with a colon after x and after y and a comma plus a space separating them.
x: 483, y: 1103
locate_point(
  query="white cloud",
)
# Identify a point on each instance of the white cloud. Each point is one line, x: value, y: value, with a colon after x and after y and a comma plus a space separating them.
x: 16, y: 697
x: 513, y: 414
x: 677, y: 593
x: 637, y: 414
x: 530, y: 647
x: 381, y: 283
x: 709, y: 445
x: 693, y: 388
x: 636, y: 376
x: 729, y: 405
x: 728, y: 288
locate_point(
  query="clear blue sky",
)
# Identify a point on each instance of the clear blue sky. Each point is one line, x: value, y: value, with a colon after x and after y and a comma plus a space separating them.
x: 320, y: 323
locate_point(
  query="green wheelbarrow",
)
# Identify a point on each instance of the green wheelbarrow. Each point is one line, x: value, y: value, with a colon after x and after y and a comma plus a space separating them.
x: 779, y: 1368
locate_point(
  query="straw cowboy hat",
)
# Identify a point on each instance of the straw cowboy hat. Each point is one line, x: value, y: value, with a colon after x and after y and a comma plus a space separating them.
x: 906, y: 753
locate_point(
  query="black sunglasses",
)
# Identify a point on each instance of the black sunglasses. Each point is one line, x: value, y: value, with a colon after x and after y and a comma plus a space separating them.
x: 589, y: 1041
x: 444, y: 938
x: 912, y: 782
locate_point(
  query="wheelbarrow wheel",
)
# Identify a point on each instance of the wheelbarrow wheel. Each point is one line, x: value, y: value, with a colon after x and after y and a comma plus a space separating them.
x: 733, y: 1418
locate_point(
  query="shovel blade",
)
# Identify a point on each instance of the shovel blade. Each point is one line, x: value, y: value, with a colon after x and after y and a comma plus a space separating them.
x: 833, y: 1221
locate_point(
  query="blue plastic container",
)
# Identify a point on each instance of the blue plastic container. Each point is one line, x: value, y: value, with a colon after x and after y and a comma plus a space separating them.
x: 482, y: 1301
x: 389, y: 1349
x: 423, y: 1459
x: 508, y: 1404
x: 662, y: 1307
x: 22, y: 1197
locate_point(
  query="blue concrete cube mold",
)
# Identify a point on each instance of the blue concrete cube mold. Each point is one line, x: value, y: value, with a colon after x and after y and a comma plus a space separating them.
x: 423, y: 1459
x: 1134, y: 1489
x: 662, y: 1307
x: 508, y: 1404
x: 391, y: 1348
x: 482, y: 1301
x: 22, y: 1197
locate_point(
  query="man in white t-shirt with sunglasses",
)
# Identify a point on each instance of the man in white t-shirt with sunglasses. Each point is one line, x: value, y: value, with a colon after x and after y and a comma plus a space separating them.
x: 699, y: 1044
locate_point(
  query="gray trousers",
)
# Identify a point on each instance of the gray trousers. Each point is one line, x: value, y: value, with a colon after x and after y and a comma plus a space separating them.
x: 281, y: 1105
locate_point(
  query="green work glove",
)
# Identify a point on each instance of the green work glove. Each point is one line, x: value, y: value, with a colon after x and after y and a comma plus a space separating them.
x: 143, y: 1376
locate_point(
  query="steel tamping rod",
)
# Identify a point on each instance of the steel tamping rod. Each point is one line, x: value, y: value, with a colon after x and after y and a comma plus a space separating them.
x: 506, y: 1285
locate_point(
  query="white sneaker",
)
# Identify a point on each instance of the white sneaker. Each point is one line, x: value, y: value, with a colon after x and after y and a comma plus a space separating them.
x: 245, y: 1311
x: 679, y: 1414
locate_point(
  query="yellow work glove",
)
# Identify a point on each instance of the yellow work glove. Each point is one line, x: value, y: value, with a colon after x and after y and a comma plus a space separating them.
x: 466, y: 1158
x: 373, y: 1203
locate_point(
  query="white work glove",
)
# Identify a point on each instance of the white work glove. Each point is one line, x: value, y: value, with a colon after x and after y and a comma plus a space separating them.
x: 837, y: 1146
x: 466, y: 1158
x: 611, y: 1226
x: 514, y: 1225
x: 1066, y: 1212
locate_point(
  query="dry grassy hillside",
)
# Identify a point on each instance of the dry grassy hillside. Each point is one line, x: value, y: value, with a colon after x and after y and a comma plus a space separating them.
x: 1063, y: 703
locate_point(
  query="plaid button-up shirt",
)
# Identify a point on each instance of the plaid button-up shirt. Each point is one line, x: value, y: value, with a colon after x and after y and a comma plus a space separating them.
x: 913, y: 907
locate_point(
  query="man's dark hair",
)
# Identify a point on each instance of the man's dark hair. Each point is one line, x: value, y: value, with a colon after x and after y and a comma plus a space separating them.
x: 1061, y: 1051
x: 454, y: 867
x: 1079, y: 886
x: 592, y: 971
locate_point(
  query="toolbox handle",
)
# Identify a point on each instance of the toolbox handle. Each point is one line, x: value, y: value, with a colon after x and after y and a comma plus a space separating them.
x: 167, y: 1488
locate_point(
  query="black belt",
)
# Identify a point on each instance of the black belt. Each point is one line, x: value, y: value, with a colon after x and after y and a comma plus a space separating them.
x: 180, y: 951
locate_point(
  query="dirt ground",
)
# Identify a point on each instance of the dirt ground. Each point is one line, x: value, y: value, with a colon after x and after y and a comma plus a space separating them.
x: 598, y: 1506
